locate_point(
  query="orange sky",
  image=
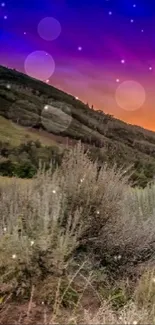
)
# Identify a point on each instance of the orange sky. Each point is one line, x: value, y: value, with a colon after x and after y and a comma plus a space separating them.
x: 134, y: 104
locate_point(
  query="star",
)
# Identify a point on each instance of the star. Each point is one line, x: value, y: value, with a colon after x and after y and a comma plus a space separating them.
x: 117, y: 80
x: 142, y: 30
x: 3, y: 4
x: 80, y: 48
x: 134, y: 5
x: 131, y: 20
x: 24, y: 33
x: 110, y: 13
x: 5, y: 17
x: 123, y: 61
x: 150, y: 68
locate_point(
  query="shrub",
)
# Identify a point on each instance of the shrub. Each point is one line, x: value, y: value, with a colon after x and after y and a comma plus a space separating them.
x: 25, y: 170
x: 6, y: 168
x: 62, y: 210
x: 49, y: 221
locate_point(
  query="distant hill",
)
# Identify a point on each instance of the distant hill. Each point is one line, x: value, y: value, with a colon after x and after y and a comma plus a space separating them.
x: 34, y: 108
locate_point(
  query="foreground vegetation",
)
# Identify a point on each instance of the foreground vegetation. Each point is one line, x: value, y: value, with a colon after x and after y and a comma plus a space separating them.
x: 77, y: 246
x: 23, y: 160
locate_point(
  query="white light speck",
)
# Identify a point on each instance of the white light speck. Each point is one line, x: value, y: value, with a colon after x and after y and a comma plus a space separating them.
x: 110, y: 13
x: 117, y: 80
x: 32, y: 242
x: 142, y: 30
x: 3, y: 4
x: 5, y: 229
x: 5, y: 17
x: 54, y: 191
x: 119, y: 257
x: 76, y: 97
x: 46, y: 107
x: 131, y: 20
x: 47, y: 81
x: 80, y: 48
x: 98, y: 212
x: 135, y: 322
x: 14, y: 256
x: 24, y: 33
x: 134, y: 5
x: 8, y: 86
x: 81, y: 180
x: 42, y: 303
x: 153, y: 280
x: 150, y: 68
x: 123, y: 61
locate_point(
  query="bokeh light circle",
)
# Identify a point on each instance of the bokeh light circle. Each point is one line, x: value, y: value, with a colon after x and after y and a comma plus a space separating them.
x: 56, y: 119
x: 49, y: 28
x: 39, y: 65
x: 130, y: 95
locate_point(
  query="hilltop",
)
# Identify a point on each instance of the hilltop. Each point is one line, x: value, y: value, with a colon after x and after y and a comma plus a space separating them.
x: 35, y: 109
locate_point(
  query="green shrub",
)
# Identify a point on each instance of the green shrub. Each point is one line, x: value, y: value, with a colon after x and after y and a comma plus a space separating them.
x: 6, y: 168
x: 24, y: 170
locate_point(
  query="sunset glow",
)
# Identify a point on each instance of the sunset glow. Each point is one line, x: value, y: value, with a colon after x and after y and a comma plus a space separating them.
x: 102, y: 52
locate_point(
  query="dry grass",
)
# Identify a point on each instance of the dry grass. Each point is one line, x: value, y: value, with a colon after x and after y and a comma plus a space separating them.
x: 15, y: 134
x: 4, y: 180
x: 145, y: 291
x: 56, y: 226
x: 130, y: 314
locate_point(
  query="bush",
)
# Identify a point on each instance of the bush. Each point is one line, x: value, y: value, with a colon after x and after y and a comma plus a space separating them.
x: 24, y: 160
x: 6, y: 168
x: 25, y: 170
x: 77, y: 212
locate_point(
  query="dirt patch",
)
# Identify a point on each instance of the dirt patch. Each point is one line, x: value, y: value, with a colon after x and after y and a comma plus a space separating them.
x: 13, y: 314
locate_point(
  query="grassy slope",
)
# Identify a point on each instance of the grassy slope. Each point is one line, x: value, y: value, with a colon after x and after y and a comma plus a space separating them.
x: 15, y: 134
x: 25, y: 102
x: 4, y: 180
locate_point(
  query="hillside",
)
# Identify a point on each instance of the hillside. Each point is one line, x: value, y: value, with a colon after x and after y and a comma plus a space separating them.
x: 31, y: 107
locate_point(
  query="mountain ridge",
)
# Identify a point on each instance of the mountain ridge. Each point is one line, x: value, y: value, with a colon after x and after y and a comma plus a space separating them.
x: 38, y: 106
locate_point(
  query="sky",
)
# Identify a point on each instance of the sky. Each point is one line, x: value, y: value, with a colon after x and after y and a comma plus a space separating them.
x: 100, y: 51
